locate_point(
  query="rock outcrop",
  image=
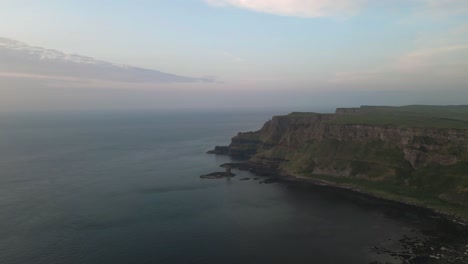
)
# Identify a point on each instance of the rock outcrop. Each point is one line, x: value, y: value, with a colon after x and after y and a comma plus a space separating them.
x: 219, y: 174
x: 219, y: 150
x: 322, y: 144
x: 284, y: 137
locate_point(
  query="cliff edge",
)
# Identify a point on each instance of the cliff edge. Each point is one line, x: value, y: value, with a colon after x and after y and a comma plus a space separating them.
x: 416, y: 154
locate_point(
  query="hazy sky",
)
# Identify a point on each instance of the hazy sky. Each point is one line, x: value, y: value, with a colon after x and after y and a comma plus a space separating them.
x: 283, y: 49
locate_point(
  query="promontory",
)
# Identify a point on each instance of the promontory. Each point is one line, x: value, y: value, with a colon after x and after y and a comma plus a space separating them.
x: 415, y: 154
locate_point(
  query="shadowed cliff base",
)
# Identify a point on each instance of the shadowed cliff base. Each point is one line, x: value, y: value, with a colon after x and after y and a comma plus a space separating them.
x: 444, y: 241
x: 414, y: 154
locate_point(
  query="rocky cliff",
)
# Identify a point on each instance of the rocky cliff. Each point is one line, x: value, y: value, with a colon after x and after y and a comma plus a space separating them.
x: 427, y: 159
x: 287, y: 136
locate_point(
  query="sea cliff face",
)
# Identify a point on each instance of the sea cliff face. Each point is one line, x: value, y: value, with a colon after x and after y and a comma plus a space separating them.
x: 284, y: 136
x: 428, y: 161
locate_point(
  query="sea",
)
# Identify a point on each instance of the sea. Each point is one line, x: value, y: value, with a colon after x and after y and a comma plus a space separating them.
x: 124, y: 187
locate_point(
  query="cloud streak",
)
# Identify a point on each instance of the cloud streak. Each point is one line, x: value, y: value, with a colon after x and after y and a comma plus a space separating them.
x: 298, y: 8
x: 35, y: 62
x: 446, y: 7
x: 432, y: 57
x: 444, y: 63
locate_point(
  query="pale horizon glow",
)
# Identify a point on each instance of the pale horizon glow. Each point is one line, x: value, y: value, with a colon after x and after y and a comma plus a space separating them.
x: 227, y: 50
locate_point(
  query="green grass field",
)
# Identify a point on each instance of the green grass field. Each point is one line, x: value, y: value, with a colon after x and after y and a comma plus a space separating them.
x: 424, y: 116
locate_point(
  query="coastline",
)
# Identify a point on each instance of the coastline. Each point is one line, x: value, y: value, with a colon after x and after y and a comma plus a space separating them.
x: 281, y: 175
x: 433, y: 248
x: 374, y: 150
x: 455, y: 218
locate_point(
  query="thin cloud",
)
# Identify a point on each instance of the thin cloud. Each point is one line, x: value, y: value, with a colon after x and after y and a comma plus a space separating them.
x: 71, y: 81
x: 442, y: 62
x: 430, y: 57
x: 446, y: 7
x: 437, y: 10
x: 298, y: 8
x: 233, y: 58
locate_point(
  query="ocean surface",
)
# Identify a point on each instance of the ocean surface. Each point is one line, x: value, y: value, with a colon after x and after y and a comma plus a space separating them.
x: 120, y: 187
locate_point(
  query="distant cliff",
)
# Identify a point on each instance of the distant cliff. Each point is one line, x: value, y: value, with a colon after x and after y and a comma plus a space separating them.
x: 419, y: 152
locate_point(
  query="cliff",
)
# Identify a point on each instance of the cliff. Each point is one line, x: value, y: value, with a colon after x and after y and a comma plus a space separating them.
x: 416, y: 152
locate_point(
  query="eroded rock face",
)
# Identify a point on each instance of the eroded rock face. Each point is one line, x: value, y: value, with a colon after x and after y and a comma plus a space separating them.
x: 220, y: 150
x: 418, y: 161
x: 286, y: 136
x: 245, y: 144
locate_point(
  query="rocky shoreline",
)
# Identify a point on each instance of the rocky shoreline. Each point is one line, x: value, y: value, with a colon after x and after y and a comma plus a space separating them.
x: 218, y: 175
x: 413, y: 250
x: 283, y: 176
x: 418, y: 168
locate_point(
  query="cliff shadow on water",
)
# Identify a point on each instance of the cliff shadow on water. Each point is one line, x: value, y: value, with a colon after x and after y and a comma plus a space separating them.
x: 409, y: 159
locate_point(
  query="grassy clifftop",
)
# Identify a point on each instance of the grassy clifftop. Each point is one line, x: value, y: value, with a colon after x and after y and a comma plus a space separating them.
x: 420, y: 116
x: 411, y: 153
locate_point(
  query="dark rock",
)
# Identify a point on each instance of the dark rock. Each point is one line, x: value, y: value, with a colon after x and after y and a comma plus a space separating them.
x: 257, y: 169
x: 220, y: 150
x: 218, y: 175
x: 270, y: 180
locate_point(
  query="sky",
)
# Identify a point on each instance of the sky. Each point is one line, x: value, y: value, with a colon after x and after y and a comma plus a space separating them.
x: 260, y: 53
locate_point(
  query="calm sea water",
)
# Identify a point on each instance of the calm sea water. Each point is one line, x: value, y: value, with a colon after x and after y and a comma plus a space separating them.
x: 125, y: 188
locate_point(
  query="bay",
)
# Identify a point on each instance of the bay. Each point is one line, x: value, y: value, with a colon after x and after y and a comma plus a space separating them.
x: 124, y: 187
